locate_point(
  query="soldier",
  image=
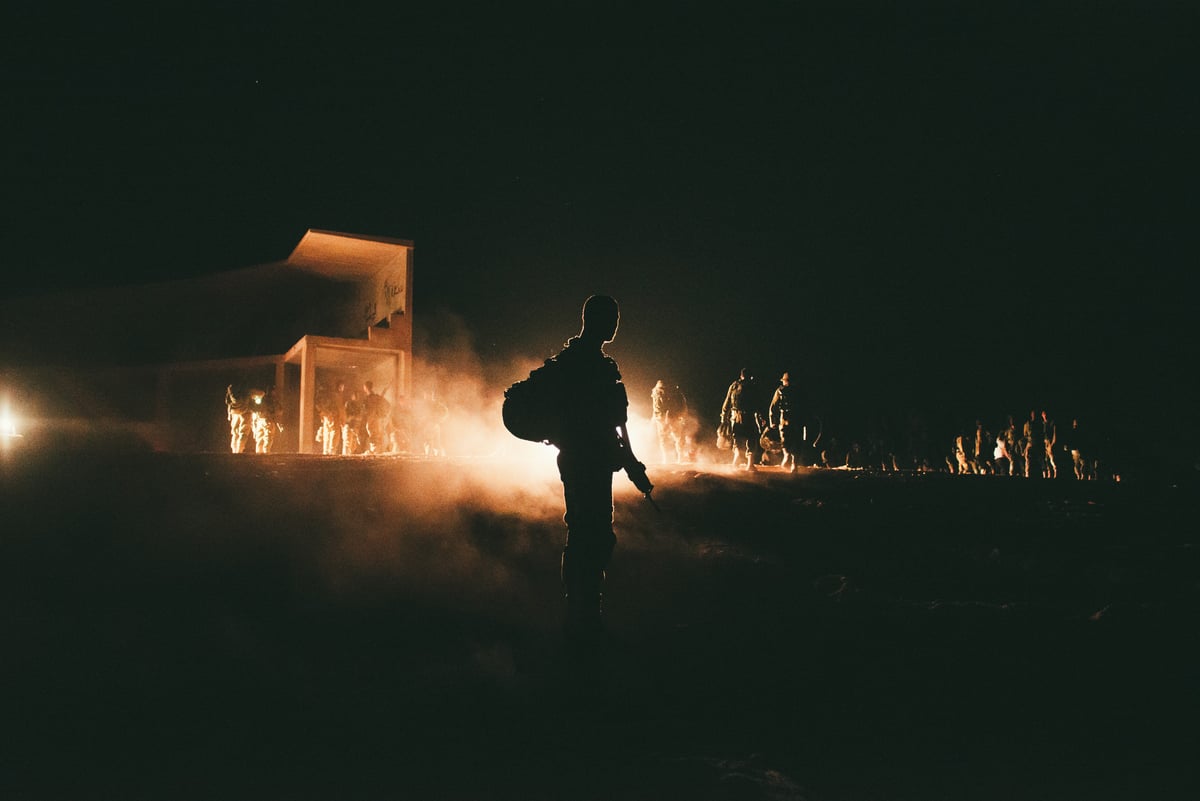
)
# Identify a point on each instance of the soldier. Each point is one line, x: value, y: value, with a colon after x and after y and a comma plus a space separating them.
x: 352, y: 431
x: 327, y: 433
x: 337, y: 405
x: 593, y: 443
x: 779, y: 414
x: 1050, y: 430
x: 1035, y: 445
x: 264, y: 419
x: 742, y: 411
x: 1075, y: 445
x: 1013, y: 446
x: 236, y: 411
x: 960, y: 458
x: 663, y: 413
x: 376, y: 411
x: 1001, y: 457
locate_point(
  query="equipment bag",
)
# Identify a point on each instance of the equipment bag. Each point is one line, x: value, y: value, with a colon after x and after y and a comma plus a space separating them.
x: 532, y: 408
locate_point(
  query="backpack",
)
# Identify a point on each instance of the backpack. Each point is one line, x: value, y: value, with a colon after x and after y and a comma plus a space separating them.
x: 532, y: 407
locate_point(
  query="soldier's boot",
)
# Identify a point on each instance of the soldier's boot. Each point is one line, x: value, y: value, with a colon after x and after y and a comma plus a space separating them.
x: 736, y: 457
x: 585, y: 606
x: 583, y: 587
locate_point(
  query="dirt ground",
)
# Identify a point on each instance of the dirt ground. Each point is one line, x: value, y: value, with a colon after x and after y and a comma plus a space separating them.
x: 223, y: 627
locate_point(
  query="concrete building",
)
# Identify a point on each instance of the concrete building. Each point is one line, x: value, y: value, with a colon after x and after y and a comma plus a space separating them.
x: 152, y: 362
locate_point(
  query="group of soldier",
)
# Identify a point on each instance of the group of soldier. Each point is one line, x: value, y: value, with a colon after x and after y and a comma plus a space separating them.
x: 253, y: 415
x: 350, y: 422
x: 1036, y: 449
x: 354, y: 422
x: 365, y: 422
x: 755, y: 430
x: 769, y: 430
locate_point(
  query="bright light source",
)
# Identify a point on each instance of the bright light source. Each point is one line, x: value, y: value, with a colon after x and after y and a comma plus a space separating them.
x: 8, y: 423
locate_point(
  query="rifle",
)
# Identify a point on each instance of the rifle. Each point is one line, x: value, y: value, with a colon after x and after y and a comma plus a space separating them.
x: 634, y: 468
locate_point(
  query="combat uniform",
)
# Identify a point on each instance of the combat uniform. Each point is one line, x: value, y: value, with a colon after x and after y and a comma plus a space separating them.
x: 594, y: 405
x: 741, y: 411
x: 239, y: 426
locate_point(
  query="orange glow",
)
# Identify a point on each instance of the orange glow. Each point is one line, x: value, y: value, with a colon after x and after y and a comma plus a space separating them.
x: 8, y: 422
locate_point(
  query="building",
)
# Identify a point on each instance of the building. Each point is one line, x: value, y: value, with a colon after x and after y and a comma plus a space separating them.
x: 152, y: 362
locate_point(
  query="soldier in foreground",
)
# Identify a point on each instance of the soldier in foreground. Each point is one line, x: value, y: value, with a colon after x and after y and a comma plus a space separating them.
x: 593, y: 443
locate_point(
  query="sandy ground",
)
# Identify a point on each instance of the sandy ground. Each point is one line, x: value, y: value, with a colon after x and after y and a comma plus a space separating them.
x: 215, y: 626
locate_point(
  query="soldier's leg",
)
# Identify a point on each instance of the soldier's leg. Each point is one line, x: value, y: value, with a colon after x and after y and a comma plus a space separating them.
x: 589, y: 546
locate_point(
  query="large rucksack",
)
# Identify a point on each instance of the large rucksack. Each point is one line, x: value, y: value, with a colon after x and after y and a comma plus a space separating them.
x: 532, y: 408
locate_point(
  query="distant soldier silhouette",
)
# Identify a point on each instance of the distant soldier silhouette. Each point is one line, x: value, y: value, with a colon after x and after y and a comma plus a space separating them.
x: 672, y: 423
x: 353, y: 432
x: 1050, y: 432
x: 238, y: 412
x: 780, y: 414
x: 376, y: 411
x: 1077, y: 447
x: 264, y: 419
x: 337, y: 404
x: 1035, y: 445
x: 327, y: 434
x: 742, y: 410
x: 593, y: 443
x: 1014, y: 443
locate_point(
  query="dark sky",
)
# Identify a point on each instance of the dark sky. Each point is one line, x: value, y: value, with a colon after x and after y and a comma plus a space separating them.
x: 905, y: 204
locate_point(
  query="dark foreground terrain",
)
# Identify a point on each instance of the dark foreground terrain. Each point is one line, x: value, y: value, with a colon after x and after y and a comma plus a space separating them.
x: 224, y: 627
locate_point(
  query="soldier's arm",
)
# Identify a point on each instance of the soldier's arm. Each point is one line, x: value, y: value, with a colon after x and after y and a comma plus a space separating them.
x: 726, y: 405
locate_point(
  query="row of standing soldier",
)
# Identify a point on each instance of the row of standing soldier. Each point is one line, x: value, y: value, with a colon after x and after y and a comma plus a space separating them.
x: 749, y: 434
x: 255, y: 414
x: 757, y: 431
x: 367, y: 423
x: 350, y: 423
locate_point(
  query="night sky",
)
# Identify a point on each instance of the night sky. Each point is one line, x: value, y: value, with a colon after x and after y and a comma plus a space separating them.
x: 906, y: 205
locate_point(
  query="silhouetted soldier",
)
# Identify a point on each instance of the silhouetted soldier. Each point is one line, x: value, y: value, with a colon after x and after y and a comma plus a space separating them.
x: 337, y: 403
x: 593, y: 443
x: 662, y: 413
x: 264, y: 419
x: 1014, y: 445
x: 1001, y: 457
x: 237, y: 411
x: 742, y: 410
x: 353, y: 433
x: 779, y: 414
x: 327, y: 434
x: 1075, y: 444
x: 1035, y: 445
x: 960, y: 464
x: 1050, y: 433
x: 376, y: 411
x: 981, y: 459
